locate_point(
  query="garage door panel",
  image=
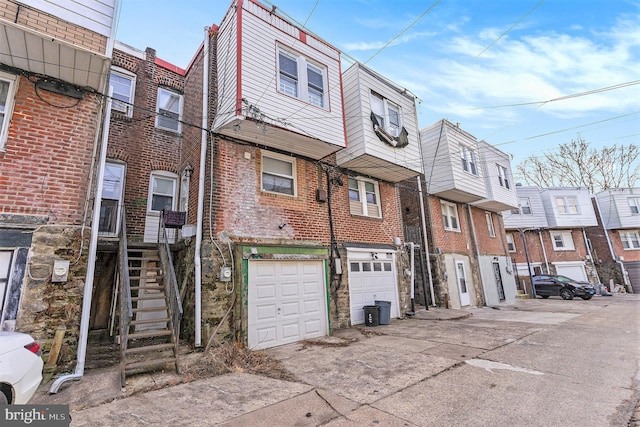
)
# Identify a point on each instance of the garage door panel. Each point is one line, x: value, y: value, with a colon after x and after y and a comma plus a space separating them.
x: 312, y: 327
x: 290, y: 330
x: 266, y: 291
x: 290, y: 309
x: 266, y: 312
x: 265, y: 336
x: 289, y: 290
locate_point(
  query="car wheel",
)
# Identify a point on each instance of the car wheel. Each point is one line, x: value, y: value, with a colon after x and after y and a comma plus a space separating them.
x: 544, y: 296
x: 566, y: 294
x: 586, y: 297
x: 3, y: 398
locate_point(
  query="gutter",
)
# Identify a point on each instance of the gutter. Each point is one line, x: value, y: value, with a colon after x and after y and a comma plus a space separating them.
x: 91, y: 260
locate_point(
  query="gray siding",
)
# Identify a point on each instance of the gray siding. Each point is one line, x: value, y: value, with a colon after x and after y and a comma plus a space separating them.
x: 538, y: 217
x: 586, y: 216
x: 95, y: 15
x: 615, y: 210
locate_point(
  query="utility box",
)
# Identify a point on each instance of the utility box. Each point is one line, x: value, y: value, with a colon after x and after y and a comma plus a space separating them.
x: 371, y: 315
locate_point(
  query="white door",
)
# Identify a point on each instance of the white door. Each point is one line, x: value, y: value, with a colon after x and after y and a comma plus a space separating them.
x: 287, y: 302
x: 162, y: 195
x: 110, y: 207
x: 574, y: 271
x: 372, y: 277
x: 462, y: 284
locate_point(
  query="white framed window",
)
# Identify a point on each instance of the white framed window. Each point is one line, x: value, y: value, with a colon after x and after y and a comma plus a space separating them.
x: 503, y: 178
x: 524, y: 206
x: 511, y: 243
x: 184, y: 192
x: 634, y: 205
x: 302, y: 78
x: 8, y: 84
x: 278, y: 174
x: 567, y: 205
x: 124, y: 88
x: 111, y: 204
x: 162, y: 191
x: 469, y: 160
x: 169, y: 110
x: 490, y: 227
x: 364, y: 197
x: 630, y: 239
x: 450, y: 216
x: 562, y: 240
x: 387, y: 114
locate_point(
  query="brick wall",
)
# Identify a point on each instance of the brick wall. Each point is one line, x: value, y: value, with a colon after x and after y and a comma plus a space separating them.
x: 53, y: 26
x: 44, y: 170
x: 487, y: 244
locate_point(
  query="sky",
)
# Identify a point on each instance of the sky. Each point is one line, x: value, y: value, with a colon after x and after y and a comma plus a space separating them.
x: 524, y: 75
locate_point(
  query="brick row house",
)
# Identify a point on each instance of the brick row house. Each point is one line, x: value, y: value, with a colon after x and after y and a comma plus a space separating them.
x: 616, y: 239
x: 468, y: 185
x: 546, y: 234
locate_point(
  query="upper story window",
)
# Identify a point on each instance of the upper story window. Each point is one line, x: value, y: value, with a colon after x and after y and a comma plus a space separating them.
x: 524, y: 207
x: 301, y: 78
x: 388, y: 116
x: 162, y: 191
x: 450, y: 216
x: 503, y: 179
x: 364, y: 197
x: 562, y: 240
x: 7, y: 93
x: 469, y: 162
x: 634, y: 205
x: 123, y: 84
x: 278, y: 174
x: 169, y: 109
x: 511, y: 244
x: 630, y: 239
x: 492, y: 229
x: 567, y: 205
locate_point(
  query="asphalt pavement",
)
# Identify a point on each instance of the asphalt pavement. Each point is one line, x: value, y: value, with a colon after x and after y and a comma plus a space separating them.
x: 533, y: 363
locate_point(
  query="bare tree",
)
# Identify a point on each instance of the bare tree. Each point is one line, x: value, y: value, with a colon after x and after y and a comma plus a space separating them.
x: 577, y: 165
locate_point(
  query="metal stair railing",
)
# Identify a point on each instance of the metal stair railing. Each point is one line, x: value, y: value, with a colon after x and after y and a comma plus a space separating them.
x: 126, y: 306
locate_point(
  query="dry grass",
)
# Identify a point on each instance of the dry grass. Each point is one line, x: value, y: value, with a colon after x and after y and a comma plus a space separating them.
x: 233, y: 357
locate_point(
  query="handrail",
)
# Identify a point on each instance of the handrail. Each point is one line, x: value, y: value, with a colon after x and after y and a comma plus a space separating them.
x: 170, y: 282
x: 126, y: 306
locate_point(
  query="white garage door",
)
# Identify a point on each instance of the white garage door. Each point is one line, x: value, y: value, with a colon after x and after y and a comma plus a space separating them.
x: 287, y: 302
x: 370, y: 280
x: 574, y: 271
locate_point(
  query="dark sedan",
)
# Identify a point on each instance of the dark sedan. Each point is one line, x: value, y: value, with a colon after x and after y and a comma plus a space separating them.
x: 554, y: 285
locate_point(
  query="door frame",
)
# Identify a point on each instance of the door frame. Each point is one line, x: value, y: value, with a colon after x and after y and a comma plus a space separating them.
x: 465, y: 298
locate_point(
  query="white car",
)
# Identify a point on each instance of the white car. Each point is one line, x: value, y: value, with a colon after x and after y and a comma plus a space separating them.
x: 20, y: 367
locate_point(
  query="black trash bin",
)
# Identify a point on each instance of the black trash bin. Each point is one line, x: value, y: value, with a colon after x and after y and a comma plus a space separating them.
x: 385, y: 312
x: 371, y: 315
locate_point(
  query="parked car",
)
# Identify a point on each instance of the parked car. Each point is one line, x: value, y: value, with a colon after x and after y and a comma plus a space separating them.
x: 20, y: 367
x: 567, y: 288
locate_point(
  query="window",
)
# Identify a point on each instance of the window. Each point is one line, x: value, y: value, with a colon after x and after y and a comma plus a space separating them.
x: 502, y: 177
x: 450, y: 216
x: 562, y: 240
x: 492, y: 230
x: 567, y: 205
x: 278, y: 174
x: 511, y: 244
x: 387, y: 114
x: 123, y: 84
x: 184, y: 191
x: 630, y: 239
x: 7, y: 91
x: 112, y: 187
x: 364, y: 197
x: 162, y: 192
x: 524, y: 206
x: 634, y: 205
x: 469, y: 163
x: 169, y: 110
x: 300, y: 78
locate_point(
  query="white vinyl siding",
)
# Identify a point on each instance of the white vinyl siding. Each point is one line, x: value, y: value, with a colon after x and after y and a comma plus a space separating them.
x: 450, y: 216
x: 630, y: 239
x: 617, y: 208
x: 123, y: 84
x: 278, y: 174
x: 96, y: 15
x: 7, y: 94
x: 169, y: 110
x: 562, y: 240
x: 364, y: 197
x: 300, y: 78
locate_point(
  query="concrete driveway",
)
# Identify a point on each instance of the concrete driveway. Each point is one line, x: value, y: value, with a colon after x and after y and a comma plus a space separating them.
x: 538, y: 362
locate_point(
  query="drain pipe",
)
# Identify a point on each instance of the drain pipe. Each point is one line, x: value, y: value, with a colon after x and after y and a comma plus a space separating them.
x: 201, y: 178
x: 426, y: 242
x: 91, y: 260
x: 544, y: 251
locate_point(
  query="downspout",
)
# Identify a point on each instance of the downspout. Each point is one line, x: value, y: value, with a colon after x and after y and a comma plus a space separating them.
x: 91, y: 259
x: 426, y: 241
x: 413, y: 276
x: 544, y: 251
x: 477, y: 251
x: 201, y: 178
x: 613, y: 254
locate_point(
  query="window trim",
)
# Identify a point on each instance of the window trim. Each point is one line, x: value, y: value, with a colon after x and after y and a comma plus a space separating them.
x: 13, y: 80
x: 511, y: 243
x: 387, y: 106
x: 122, y: 168
x: 634, y: 202
x: 362, y: 197
x: 164, y: 175
x: 160, y: 114
x: 282, y: 158
x: 627, y: 237
x: 564, y: 207
x: 503, y: 178
x: 491, y: 228
x: 469, y: 160
x: 128, y: 105
x: 566, y: 237
x: 445, y: 208
x: 303, y: 83
x: 521, y: 206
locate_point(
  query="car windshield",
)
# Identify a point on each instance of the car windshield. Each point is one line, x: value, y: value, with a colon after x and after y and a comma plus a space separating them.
x: 564, y: 279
